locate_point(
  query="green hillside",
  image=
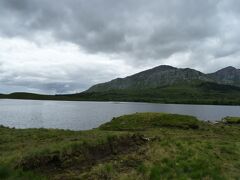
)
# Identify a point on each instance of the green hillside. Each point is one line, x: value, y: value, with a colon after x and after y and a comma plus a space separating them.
x: 194, y: 93
x: 162, y: 76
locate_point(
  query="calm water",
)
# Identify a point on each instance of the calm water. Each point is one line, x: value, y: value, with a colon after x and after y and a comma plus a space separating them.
x: 88, y: 115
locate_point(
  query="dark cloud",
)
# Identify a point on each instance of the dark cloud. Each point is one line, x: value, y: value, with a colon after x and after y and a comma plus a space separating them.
x: 157, y: 28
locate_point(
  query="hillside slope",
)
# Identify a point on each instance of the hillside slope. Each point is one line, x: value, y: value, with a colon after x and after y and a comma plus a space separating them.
x: 153, y: 78
x: 228, y: 75
x: 162, y: 76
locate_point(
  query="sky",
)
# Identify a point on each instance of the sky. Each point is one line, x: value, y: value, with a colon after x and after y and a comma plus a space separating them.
x: 66, y: 46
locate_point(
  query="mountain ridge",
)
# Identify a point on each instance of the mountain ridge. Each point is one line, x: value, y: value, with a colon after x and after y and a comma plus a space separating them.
x: 165, y: 75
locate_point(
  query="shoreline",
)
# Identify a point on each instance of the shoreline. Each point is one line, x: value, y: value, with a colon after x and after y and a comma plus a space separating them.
x: 112, y: 101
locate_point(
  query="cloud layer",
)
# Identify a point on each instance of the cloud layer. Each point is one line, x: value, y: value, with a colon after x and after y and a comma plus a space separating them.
x: 63, y: 46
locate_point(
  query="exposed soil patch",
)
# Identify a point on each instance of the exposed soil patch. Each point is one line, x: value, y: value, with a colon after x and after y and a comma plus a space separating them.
x: 82, y: 157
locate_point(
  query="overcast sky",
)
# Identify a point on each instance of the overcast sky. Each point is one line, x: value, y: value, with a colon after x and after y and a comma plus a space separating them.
x: 65, y: 46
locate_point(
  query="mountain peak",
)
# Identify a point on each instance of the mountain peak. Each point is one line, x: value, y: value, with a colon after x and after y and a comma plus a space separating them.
x: 164, y: 67
x: 159, y: 76
x: 228, y: 75
x: 229, y: 68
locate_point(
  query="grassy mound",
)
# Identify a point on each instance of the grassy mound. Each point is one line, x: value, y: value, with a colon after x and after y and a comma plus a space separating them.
x: 144, y: 121
x: 231, y: 120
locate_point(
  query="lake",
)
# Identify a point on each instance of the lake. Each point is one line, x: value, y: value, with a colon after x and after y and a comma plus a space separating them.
x: 81, y: 115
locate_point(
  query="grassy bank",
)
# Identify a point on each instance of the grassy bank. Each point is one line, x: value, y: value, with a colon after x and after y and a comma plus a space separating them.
x: 138, y: 146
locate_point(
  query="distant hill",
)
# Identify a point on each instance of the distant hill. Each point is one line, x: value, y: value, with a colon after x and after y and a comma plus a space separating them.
x: 162, y: 84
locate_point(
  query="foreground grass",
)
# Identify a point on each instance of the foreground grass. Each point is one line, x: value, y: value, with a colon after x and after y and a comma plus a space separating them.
x: 137, y: 146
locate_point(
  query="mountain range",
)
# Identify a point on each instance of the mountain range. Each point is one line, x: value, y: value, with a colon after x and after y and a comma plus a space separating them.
x: 164, y: 75
x: 162, y: 84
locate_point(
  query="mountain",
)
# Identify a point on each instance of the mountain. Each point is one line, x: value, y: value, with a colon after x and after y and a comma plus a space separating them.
x: 162, y: 76
x: 153, y: 78
x: 167, y: 84
x: 228, y: 75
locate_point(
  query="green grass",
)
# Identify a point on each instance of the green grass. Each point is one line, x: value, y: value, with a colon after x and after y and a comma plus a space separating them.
x: 137, y: 146
x: 232, y: 120
x: 144, y: 121
x: 10, y: 174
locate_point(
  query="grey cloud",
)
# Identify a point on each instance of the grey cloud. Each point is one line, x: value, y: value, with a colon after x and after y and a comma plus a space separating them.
x: 158, y: 28
x: 75, y: 82
x: 55, y: 74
